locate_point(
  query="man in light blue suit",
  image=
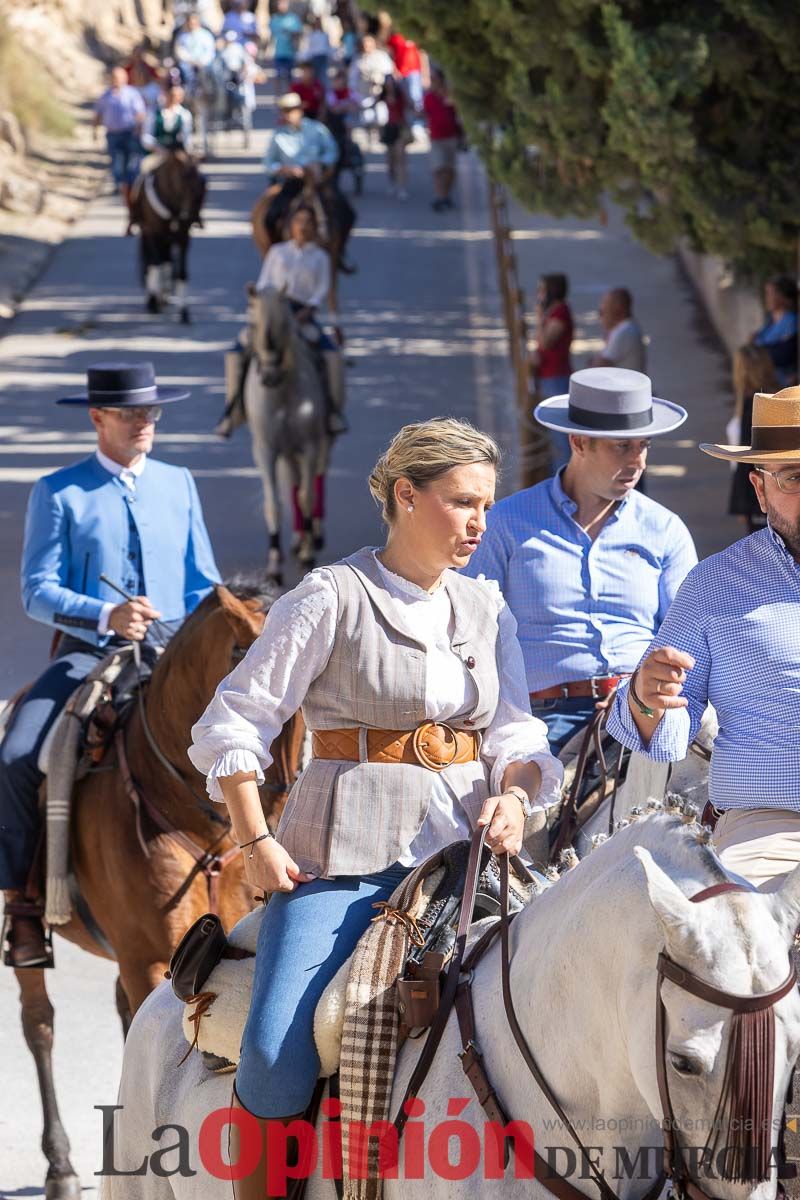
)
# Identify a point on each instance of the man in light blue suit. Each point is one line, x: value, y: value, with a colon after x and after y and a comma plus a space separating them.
x: 118, y: 514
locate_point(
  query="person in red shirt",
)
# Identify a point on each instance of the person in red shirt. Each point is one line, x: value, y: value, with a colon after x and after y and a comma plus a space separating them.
x: 408, y: 63
x: 550, y: 361
x: 445, y: 133
x: 310, y: 91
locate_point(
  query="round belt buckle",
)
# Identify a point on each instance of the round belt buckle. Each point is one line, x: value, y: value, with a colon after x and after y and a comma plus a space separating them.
x: 420, y: 747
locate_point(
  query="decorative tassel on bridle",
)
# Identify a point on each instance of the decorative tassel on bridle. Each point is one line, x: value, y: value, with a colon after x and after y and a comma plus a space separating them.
x: 740, y: 1142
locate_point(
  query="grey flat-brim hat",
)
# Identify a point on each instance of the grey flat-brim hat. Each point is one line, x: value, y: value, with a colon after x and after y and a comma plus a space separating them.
x: 610, y: 402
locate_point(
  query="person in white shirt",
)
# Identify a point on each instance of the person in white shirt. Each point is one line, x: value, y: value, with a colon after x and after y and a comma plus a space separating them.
x: 625, y: 344
x: 367, y: 74
x: 299, y: 269
x: 167, y: 129
x: 195, y: 48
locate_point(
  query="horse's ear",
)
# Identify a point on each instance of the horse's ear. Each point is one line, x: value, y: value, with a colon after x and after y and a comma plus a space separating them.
x: 785, y: 905
x: 672, y: 908
x: 245, y: 624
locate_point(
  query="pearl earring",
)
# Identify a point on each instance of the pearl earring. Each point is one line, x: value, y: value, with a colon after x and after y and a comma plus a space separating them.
x: 410, y: 508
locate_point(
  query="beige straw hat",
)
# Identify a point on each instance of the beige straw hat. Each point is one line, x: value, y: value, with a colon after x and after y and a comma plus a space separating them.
x: 776, y: 431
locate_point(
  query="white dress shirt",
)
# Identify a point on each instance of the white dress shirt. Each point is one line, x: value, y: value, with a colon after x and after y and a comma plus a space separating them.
x: 251, y: 705
x: 128, y: 476
x: 303, y: 273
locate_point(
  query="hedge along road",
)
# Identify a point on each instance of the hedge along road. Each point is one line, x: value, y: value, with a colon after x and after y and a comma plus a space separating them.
x: 424, y: 337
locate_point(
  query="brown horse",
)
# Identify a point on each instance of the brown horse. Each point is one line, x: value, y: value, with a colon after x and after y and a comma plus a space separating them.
x: 165, y: 204
x: 147, y: 844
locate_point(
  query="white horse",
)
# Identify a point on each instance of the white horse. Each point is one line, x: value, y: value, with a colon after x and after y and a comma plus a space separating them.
x: 583, y: 979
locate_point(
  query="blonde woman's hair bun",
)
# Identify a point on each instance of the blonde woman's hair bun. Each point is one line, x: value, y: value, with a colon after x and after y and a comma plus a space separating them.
x: 425, y: 451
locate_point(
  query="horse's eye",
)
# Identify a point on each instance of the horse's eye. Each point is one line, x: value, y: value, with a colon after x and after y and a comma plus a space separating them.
x: 683, y: 1065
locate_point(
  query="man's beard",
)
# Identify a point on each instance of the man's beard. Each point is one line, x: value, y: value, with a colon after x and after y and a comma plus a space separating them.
x: 788, y: 530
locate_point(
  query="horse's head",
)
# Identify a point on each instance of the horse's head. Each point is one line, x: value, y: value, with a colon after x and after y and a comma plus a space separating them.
x: 210, y: 642
x: 725, y: 1069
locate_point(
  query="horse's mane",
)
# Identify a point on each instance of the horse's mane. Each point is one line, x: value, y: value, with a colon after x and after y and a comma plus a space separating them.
x: 244, y: 586
x: 680, y: 845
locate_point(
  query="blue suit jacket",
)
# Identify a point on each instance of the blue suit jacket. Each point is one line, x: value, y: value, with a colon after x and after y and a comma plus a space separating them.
x: 79, y: 526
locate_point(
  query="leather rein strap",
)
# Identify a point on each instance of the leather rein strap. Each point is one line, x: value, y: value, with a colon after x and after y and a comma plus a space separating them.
x: 208, y: 861
x: 458, y: 991
x: 674, y: 1164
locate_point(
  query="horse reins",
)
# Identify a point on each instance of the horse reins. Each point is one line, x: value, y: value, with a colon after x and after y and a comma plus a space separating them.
x: 457, y: 991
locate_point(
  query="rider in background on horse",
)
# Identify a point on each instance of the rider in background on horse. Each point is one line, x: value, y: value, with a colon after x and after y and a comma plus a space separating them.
x: 302, y: 150
x: 167, y: 129
x: 195, y: 49
x: 382, y: 644
x: 117, y: 513
x: 298, y: 269
x: 587, y: 564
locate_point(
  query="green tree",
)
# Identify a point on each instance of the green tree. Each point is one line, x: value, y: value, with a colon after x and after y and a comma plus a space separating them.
x: 685, y: 112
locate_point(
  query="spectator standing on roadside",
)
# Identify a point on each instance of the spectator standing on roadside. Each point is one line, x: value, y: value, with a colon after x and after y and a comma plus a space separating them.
x: 625, y: 345
x: 310, y: 91
x: 349, y: 43
x: 242, y: 22
x: 395, y: 136
x: 409, y: 66
x: 285, y: 28
x: 550, y: 361
x: 779, y: 332
x: 445, y: 133
x: 318, y: 49
x: 121, y: 112
x: 368, y: 70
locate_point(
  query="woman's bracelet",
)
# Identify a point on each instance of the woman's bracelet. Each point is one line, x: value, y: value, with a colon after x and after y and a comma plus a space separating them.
x: 260, y: 838
x: 643, y: 708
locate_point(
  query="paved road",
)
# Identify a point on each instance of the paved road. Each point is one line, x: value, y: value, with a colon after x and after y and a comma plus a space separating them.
x: 425, y: 338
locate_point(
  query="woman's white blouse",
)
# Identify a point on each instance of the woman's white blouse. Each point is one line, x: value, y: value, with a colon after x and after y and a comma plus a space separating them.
x: 251, y: 705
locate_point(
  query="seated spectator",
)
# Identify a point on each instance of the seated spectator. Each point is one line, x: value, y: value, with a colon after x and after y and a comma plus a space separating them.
x: 779, y: 332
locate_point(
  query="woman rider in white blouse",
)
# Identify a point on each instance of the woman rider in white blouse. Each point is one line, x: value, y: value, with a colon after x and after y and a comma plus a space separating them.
x: 374, y: 648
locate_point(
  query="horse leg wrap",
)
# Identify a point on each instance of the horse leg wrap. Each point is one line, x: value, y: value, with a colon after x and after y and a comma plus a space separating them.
x: 153, y: 281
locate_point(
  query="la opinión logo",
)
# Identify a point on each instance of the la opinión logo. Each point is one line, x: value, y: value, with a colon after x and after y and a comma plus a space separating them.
x: 452, y: 1149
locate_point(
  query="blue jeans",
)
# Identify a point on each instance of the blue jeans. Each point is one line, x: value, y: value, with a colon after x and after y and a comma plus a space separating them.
x: 320, y: 64
x: 126, y: 155
x: 283, y: 70
x: 563, y: 718
x: 559, y: 442
x: 20, y: 776
x: 305, y: 937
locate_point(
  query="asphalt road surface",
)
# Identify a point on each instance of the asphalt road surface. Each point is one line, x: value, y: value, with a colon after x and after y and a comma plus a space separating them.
x: 425, y: 337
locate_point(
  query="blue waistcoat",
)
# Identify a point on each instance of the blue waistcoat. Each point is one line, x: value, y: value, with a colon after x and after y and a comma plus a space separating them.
x: 83, y: 522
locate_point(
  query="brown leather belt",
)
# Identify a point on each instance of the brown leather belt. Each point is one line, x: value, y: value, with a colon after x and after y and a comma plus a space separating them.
x: 596, y: 688
x: 432, y: 744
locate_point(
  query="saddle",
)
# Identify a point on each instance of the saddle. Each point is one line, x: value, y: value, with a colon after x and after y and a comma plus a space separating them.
x: 213, y: 975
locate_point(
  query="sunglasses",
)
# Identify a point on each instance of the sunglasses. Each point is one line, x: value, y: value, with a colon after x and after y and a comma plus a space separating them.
x: 146, y: 414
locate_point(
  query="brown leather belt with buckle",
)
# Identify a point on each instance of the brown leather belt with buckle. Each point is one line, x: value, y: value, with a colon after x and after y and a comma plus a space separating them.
x: 599, y: 687
x: 432, y: 744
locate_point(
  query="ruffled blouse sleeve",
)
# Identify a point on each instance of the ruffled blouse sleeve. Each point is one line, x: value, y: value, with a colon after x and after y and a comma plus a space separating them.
x: 251, y: 705
x: 514, y: 734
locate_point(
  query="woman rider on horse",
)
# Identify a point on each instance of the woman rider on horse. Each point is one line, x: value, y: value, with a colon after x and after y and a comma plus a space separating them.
x: 372, y: 647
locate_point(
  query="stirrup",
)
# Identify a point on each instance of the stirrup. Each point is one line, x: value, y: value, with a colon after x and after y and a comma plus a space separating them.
x: 48, y: 958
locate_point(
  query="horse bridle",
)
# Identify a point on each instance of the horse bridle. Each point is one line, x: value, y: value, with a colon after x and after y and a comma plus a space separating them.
x: 457, y: 990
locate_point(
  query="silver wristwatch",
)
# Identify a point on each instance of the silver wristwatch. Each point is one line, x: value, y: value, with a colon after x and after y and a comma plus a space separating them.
x: 522, y: 796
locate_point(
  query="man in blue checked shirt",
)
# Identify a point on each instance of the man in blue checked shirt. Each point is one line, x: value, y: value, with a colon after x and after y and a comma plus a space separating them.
x: 732, y: 639
x: 120, y: 515
x: 587, y: 564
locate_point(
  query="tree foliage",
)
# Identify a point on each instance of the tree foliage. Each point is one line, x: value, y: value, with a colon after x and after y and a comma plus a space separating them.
x: 685, y: 112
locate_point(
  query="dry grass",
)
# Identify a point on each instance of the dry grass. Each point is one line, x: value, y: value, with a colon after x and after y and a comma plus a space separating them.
x: 26, y: 89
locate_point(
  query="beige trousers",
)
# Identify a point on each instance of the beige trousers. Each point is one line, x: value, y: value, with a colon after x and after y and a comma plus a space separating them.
x: 761, y: 844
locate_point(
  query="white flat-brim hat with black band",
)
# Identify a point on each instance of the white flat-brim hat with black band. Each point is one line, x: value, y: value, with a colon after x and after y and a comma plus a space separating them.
x: 610, y: 402
x: 775, y: 435
x: 123, y: 385
x: 290, y: 100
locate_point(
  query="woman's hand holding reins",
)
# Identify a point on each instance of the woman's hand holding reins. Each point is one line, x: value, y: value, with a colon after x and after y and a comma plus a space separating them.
x: 272, y: 868
x: 506, y: 820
